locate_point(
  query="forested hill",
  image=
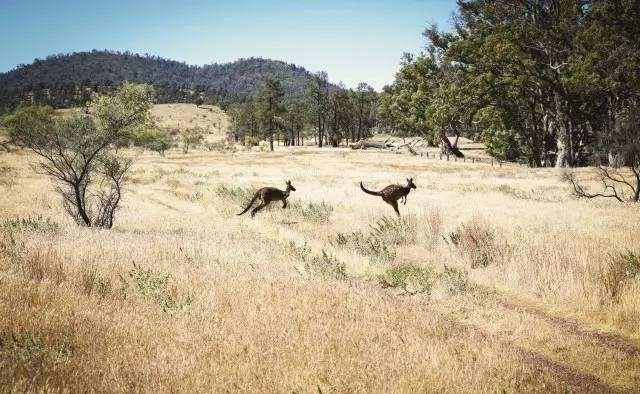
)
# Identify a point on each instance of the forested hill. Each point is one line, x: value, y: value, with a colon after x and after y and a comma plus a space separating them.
x: 65, y: 80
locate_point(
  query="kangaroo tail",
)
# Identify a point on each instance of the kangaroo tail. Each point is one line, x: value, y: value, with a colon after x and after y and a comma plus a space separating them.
x: 369, y: 191
x: 255, y: 197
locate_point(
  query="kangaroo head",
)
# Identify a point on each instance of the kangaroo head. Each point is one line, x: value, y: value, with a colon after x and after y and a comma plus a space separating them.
x: 290, y: 187
x: 410, y: 183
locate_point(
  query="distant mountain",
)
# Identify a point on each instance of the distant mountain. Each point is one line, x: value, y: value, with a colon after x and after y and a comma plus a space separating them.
x: 67, y: 80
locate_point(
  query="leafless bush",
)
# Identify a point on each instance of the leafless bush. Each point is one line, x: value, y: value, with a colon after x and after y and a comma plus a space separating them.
x: 613, y: 182
x: 434, y: 224
x: 479, y: 243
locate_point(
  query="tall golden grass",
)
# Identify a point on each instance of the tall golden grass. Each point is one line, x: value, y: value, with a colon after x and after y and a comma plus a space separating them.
x: 494, y: 279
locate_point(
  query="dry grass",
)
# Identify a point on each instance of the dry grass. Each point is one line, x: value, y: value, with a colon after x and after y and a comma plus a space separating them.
x: 182, y: 295
x: 187, y: 116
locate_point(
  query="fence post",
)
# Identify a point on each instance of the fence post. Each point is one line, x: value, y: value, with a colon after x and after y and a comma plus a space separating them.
x: 440, y: 156
x: 447, y: 157
x: 491, y: 162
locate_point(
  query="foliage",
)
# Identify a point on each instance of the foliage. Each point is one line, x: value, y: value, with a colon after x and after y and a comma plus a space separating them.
x: 65, y: 81
x: 236, y: 194
x: 155, y: 285
x: 32, y: 223
x: 313, y: 212
x: 191, y: 138
x: 326, y: 266
x: 77, y: 152
x: 153, y: 138
x: 622, y: 269
x: 411, y: 279
x: 546, y: 82
x: 269, y: 108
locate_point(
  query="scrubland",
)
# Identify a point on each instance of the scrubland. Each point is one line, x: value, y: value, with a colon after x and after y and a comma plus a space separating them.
x: 494, y: 279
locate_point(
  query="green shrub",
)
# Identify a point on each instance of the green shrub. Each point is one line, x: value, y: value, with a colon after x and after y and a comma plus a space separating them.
x: 327, y: 266
x: 394, y: 230
x: 28, y: 346
x: 454, y: 280
x: 313, y: 212
x: 367, y: 245
x: 622, y: 270
x: 155, y: 285
x: 381, y: 241
x: 409, y: 278
x: 236, y: 194
x: 250, y: 141
x: 34, y: 224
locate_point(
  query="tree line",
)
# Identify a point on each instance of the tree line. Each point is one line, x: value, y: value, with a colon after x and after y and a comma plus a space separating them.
x: 543, y: 82
x: 328, y: 114
x: 69, y: 80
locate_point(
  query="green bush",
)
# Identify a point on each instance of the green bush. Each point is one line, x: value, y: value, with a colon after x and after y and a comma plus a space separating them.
x: 409, y: 278
x: 155, y: 285
x: 33, y: 223
x: 621, y: 271
x: 236, y: 194
x: 250, y: 141
x: 313, y: 212
x: 454, y: 280
x: 327, y: 266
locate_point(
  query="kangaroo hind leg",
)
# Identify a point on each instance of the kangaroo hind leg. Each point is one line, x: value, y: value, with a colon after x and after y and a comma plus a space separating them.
x: 258, y: 208
x: 394, y: 204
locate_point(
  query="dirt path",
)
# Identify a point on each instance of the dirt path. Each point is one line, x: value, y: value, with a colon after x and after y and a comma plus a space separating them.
x: 609, y: 340
x: 575, y: 381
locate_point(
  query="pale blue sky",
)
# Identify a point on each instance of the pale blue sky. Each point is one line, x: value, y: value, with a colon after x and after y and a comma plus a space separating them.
x: 352, y: 40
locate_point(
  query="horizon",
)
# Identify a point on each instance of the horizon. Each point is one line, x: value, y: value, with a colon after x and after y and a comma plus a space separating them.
x: 352, y: 41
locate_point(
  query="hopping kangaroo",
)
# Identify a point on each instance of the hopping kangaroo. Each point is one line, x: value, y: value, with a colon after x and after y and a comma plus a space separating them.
x: 392, y: 193
x: 267, y: 195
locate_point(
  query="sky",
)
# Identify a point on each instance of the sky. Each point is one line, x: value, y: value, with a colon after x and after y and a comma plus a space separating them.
x: 353, y: 40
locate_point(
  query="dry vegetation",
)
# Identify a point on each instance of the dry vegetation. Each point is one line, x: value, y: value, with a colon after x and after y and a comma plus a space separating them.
x: 496, y: 279
x: 187, y: 116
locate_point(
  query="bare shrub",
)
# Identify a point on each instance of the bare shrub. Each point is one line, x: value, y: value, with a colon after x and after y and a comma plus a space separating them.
x: 221, y: 146
x: 433, y: 225
x: 479, y: 243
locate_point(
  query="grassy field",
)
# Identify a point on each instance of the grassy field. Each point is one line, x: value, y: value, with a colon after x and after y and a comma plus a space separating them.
x: 495, y: 279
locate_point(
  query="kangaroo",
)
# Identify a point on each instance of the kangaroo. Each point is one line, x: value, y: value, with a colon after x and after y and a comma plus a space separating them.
x: 392, y: 193
x: 267, y: 195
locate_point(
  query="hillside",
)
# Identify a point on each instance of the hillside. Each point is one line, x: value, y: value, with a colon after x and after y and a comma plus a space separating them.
x: 184, y: 116
x: 63, y: 80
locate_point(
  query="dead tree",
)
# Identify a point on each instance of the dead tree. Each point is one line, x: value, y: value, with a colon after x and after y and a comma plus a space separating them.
x: 612, y: 181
